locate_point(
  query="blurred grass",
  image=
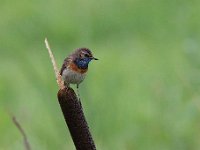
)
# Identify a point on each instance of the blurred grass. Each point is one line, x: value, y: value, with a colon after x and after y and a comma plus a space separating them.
x: 142, y: 94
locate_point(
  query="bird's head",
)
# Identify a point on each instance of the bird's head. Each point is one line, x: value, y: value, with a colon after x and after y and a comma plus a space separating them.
x: 83, y: 57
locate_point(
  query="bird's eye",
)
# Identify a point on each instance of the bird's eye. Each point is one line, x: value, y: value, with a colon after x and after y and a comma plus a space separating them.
x: 86, y: 55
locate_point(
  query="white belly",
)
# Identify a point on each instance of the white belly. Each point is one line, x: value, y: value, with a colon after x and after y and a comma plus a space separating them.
x: 72, y: 77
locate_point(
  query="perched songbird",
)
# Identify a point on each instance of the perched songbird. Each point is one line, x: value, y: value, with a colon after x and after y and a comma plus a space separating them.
x: 75, y: 66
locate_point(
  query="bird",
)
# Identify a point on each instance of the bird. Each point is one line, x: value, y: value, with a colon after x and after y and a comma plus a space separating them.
x: 75, y: 66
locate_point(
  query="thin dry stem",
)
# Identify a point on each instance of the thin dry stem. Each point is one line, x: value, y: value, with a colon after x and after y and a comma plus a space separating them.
x: 58, y: 76
x: 26, y: 143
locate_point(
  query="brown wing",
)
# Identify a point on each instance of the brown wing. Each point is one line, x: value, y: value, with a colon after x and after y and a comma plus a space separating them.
x: 69, y: 59
x: 65, y: 64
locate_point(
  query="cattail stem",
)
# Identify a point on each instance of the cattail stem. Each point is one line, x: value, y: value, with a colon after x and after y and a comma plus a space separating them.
x: 26, y: 143
x: 55, y: 67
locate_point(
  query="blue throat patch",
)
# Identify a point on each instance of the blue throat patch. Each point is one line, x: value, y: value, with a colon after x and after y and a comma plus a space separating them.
x: 82, y: 63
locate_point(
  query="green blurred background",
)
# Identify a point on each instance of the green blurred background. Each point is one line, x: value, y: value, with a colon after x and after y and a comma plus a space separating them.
x: 142, y: 94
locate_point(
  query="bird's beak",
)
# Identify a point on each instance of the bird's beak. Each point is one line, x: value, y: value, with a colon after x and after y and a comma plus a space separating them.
x: 94, y: 58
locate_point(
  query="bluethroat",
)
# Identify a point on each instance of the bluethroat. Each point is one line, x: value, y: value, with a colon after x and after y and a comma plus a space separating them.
x: 75, y: 66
